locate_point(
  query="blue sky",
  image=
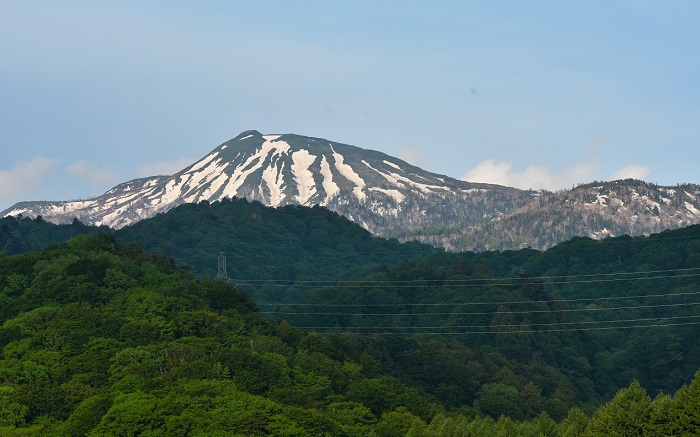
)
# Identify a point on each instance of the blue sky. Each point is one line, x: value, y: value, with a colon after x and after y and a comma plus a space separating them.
x: 534, y: 94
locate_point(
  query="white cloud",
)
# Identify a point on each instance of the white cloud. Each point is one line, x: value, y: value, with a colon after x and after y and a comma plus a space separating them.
x: 92, y: 174
x: 412, y: 156
x: 537, y: 176
x: 166, y: 168
x: 24, y: 180
x: 541, y: 177
x: 633, y: 172
x: 493, y: 172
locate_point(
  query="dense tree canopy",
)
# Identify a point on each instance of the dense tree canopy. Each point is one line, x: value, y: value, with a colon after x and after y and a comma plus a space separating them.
x: 105, y: 339
x: 100, y: 336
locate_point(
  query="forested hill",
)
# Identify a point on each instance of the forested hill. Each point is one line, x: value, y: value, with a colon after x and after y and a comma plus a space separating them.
x: 606, y: 291
x: 274, y: 246
x: 274, y: 250
x: 106, y: 340
x: 23, y: 234
x: 404, y: 331
x: 103, y: 339
x: 293, y: 243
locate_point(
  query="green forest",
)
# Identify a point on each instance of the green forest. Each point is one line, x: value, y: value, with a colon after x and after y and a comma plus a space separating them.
x: 328, y: 330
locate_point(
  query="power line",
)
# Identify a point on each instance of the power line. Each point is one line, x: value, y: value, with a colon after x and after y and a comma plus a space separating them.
x: 598, y: 328
x: 589, y: 322
x: 513, y: 302
x: 501, y: 284
x: 456, y: 313
x: 432, y: 250
x: 530, y: 278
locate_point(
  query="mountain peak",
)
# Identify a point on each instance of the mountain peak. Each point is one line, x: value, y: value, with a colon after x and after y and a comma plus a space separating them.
x: 376, y: 190
x: 247, y: 133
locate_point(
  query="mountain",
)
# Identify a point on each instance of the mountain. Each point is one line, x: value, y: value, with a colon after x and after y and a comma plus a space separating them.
x: 380, y: 192
x: 387, y: 196
x: 597, y: 210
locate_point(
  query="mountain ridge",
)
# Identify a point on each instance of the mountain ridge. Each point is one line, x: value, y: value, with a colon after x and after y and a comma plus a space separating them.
x: 387, y: 196
x: 372, y: 188
x: 596, y: 210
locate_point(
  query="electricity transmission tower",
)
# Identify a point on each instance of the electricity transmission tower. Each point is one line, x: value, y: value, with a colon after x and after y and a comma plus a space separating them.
x: 222, y: 275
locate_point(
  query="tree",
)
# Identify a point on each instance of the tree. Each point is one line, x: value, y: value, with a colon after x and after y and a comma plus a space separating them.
x: 685, y: 409
x: 575, y: 423
x: 397, y: 422
x: 497, y: 399
x: 628, y: 414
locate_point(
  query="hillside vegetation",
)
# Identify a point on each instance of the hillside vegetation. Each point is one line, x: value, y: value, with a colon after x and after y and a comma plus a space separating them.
x: 398, y: 336
x: 102, y: 339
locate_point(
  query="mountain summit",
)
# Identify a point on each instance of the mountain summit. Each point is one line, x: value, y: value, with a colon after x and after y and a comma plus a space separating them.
x: 380, y: 192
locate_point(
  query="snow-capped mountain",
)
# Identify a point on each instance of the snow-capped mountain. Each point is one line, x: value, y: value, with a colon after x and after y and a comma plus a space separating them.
x: 596, y: 210
x: 382, y: 193
x: 387, y: 196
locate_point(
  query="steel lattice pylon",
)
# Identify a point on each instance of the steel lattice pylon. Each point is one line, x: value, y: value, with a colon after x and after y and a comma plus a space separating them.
x: 222, y: 275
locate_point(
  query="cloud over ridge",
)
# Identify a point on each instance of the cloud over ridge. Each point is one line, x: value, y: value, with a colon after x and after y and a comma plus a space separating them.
x: 542, y: 177
x: 24, y: 179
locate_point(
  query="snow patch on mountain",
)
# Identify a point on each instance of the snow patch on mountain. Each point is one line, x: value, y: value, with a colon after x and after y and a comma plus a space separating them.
x: 306, y: 185
x: 389, y: 177
x: 601, y: 199
x: 399, y: 180
x: 16, y: 212
x: 348, y: 173
x: 255, y: 162
x: 393, y: 165
x: 173, y: 191
x: 396, y: 194
x: 274, y: 180
x: 330, y: 187
x: 206, y: 160
x: 216, y: 178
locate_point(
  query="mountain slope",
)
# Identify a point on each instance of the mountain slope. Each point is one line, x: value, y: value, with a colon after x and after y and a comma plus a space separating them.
x: 597, y: 210
x: 380, y: 192
x: 387, y: 196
